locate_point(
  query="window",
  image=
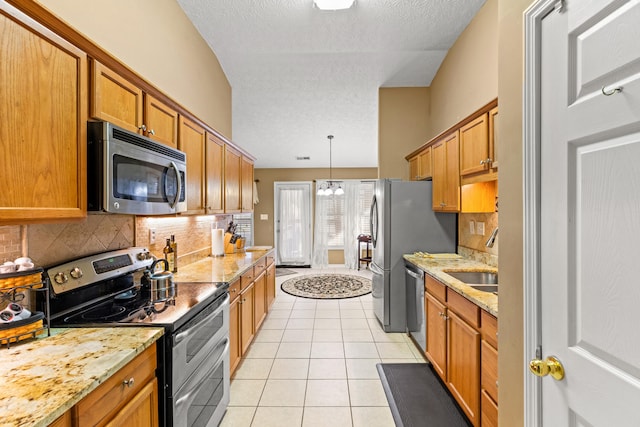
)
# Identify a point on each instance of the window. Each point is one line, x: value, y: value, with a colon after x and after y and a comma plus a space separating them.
x: 335, y: 214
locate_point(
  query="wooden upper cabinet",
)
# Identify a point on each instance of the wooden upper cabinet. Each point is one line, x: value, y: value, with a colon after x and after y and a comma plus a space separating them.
x: 232, y: 180
x: 192, y: 142
x: 43, y: 114
x: 474, y: 146
x: 493, y: 137
x: 446, y: 174
x: 214, y: 168
x: 115, y: 99
x: 161, y: 121
x: 246, y: 191
x: 420, y: 165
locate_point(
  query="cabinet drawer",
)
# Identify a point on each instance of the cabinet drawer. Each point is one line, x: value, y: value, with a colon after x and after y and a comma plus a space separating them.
x: 464, y: 308
x: 234, y: 290
x: 113, y: 394
x: 489, y: 411
x: 259, y: 266
x: 489, y: 328
x: 246, y: 279
x: 435, y: 288
x: 489, y: 370
x: 270, y: 259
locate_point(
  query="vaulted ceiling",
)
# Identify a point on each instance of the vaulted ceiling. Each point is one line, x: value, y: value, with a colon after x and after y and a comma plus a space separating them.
x: 299, y: 73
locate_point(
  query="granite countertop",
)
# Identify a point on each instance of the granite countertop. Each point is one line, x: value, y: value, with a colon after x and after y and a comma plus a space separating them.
x: 44, y: 378
x: 220, y: 269
x: 437, y: 268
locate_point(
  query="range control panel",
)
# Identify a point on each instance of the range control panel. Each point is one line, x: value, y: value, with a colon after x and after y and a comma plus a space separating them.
x: 95, y: 268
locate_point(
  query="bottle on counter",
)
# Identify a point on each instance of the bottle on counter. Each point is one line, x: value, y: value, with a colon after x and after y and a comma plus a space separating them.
x: 174, y: 247
x: 169, y: 255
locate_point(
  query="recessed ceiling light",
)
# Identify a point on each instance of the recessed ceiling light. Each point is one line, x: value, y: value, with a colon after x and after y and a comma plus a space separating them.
x: 333, y: 4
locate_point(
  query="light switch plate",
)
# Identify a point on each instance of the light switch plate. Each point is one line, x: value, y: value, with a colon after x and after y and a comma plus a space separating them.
x: 480, y: 228
x: 264, y: 217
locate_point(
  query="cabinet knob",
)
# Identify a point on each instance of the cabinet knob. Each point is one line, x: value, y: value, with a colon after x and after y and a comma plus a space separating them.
x: 142, y: 127
x: 482, y: 162
x: 152, y: 132
x: 129, y: 382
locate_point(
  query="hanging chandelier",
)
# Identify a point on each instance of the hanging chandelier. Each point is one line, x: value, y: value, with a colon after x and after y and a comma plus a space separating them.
x: 330, y: 187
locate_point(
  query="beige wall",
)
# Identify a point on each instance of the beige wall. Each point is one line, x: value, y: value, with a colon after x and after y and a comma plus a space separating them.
x: 156, y: 40
x: 510, y: 72
x: 468, y: 76
x: 403, y: 126
x: 264, y: 228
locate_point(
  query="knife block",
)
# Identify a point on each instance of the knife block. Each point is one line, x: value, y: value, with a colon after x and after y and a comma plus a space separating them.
x: 229, y: 248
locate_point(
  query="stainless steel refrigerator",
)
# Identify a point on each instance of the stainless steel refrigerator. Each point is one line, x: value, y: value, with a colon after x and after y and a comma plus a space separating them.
x: 402, y: 222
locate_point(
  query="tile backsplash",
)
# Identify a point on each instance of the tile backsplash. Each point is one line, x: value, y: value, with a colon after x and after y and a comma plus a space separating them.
x: 11, y: 242
x: 474, y: 244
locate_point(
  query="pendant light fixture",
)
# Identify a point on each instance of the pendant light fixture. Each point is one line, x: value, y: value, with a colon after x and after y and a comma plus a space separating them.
x: 333, y: 4
x: 330, y: 187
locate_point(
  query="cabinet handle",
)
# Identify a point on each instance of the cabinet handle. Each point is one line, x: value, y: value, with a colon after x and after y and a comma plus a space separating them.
x: 143, y: 128
x: 152, y: 132
x: 482, y: 162
x: 129, y: 382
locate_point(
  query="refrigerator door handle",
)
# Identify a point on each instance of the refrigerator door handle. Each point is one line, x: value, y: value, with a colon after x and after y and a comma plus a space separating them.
x: 375, y: 269
x: 414, y: 275
x: 373, y: 221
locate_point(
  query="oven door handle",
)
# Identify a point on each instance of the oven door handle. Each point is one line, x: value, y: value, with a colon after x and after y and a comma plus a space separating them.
x: 183, y: 335
x: 197, y: 387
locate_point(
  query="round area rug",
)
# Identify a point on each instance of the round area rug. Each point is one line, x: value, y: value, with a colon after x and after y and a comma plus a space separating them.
x: 327, y: 286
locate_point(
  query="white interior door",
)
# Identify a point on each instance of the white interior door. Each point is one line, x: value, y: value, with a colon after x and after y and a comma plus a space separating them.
x: 589, y: 212
x: 292, y: 217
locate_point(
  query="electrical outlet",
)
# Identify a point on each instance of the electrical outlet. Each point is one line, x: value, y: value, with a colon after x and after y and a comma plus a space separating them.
x: 264, y: 217
x: 472, y: 227
x: 152, y: 236
x: 480, y: 228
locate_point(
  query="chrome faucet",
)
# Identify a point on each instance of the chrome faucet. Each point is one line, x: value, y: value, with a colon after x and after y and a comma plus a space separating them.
x: 491, y: 240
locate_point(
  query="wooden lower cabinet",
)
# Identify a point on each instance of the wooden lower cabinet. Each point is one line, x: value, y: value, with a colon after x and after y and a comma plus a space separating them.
x: 463, y: 365
x: 460, y: 346
x: 246, y: 318
x: 271, y: 284
x: 234, y: 326
x: 128, y: 398
x: 259, y: 300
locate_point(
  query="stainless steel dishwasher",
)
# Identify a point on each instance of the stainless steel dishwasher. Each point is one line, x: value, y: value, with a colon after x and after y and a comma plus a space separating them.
x: 416, y: 324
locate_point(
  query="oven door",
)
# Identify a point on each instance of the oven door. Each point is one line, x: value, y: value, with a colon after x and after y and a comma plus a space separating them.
x: 196, y: 340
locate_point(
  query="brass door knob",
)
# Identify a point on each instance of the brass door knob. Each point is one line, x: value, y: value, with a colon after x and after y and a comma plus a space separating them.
x: 550, y: 366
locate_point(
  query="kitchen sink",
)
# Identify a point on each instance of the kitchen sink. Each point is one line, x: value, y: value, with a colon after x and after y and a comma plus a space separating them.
x: 486, y: 288
x: 476, y: 278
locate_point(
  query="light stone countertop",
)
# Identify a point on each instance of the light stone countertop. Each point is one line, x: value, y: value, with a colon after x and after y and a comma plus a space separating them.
x: 437, y: 268
x: 43, y: 378
x: 219, y: 269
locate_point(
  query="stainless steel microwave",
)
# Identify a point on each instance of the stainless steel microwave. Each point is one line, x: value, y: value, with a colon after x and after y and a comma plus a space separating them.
x: 131, y: 174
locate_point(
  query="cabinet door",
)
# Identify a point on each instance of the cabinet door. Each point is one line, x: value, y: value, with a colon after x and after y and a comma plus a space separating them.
x: 43, y: 122
x: 271, y: 284
x: 246, y: 318
x: 259, y: 300
x: 493, y: 137
x: 141, y: 410
x: 234, y: 334
x: 247, y: 184
x: 489, y: 411
x: 439, y: 175
x: 424, y: 164
x: 463, y: 357
x: 161, y: 121
x: 452, y: 186
x: 414, y: 169
x: 192, y: 142
x: 115, y: 99
x: 436, y: 334
x: 214, y: 168
x: 232, y: 170
x: 474, y: 146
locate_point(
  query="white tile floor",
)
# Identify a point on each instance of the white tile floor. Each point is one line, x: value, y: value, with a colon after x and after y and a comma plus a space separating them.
x: 313, y: 364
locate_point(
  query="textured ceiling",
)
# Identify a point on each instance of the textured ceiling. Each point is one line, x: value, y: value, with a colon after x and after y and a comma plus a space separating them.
x: 299, y: 74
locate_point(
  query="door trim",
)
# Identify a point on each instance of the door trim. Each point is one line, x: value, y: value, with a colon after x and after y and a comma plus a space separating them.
x: 531, y: 174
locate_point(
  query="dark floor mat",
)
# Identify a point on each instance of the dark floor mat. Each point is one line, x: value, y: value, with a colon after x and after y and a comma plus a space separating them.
x: 418, y: 398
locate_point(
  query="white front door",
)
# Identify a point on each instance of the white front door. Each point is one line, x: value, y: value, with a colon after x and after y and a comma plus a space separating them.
x: 589, y: 212
x: 292, y: 220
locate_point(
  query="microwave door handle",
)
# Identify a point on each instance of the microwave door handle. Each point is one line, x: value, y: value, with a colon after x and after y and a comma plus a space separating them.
x: 177, y: 198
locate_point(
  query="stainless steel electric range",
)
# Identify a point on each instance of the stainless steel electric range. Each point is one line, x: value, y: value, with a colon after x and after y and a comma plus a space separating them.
x: 193, y: 356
